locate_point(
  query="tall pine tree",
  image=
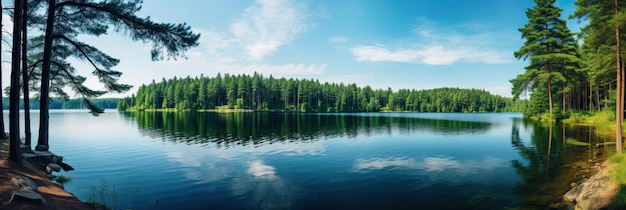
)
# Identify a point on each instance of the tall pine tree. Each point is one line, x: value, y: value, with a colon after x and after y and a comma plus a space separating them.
x: 547, y: 45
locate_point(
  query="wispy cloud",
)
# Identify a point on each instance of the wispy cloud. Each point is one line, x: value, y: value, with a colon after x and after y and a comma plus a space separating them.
x: 267, y: 25
x: 434, y: 46
x: 339, y: 39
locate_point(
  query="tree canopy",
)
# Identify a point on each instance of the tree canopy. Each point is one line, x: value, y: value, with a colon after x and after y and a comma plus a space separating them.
x: 269, y: 93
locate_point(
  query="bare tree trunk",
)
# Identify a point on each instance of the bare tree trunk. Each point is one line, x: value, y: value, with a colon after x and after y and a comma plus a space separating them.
x: 27, y: 133
x: 15, y: 155
x: 549, y: 90
x: 598, y: 98
x: 564, y: 101
x: 44, y: 120
x: 3, y: 134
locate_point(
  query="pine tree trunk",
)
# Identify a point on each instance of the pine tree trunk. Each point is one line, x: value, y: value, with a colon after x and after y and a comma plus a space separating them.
x: 549, y: 90
x: 27, y: 132
x: 2, y: 133
x: 15, y: 155
x: 619, y: 103
x: 44, y: 120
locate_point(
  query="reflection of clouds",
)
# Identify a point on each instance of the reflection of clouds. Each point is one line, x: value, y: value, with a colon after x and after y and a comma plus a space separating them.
x: 184, y: 159
x: 439, y: 164
x: 196, y: 170
x: 255, y: 181
x: 258, y: 169
x: 265, y: 188
x: 429, y: 164
x: 380, y: 163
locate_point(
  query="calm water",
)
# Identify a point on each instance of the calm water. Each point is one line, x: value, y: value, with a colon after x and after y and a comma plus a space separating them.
x: 317, y: 161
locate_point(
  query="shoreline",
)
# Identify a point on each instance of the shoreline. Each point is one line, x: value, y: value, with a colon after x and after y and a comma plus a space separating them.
x: 55, y: 197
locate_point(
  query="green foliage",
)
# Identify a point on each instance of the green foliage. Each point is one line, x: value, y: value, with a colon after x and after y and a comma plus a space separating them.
x: 553, y: 55
x: 63, y: 179
x: 258, y: 92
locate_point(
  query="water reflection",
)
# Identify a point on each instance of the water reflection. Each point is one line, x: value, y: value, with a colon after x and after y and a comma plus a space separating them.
x: 548, y: 163
x: 258, y: 128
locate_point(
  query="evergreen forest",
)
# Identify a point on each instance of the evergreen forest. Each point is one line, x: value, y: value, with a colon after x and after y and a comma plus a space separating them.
x: 76, y: 103
x: 257, y: 92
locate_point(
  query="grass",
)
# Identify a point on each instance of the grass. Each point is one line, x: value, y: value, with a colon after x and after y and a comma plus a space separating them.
x: 105, y: 193
x: 619, y: 176
x: 63, y: 179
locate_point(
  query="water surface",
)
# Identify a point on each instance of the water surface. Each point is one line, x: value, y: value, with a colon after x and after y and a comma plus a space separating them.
x: 318, y: 161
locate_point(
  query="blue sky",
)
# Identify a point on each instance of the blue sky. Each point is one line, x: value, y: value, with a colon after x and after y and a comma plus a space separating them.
x: 399, y: 44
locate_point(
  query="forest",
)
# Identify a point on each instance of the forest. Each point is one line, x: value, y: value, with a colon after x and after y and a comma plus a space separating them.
x: 569, y: 71
x: 281, y: 94
x: 77, y: 103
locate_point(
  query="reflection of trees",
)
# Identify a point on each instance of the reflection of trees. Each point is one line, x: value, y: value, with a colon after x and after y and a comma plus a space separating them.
x: 548, y: 165
x: 261, y: 127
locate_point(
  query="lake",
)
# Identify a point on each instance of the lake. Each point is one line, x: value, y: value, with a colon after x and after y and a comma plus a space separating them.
x: 264, y: 160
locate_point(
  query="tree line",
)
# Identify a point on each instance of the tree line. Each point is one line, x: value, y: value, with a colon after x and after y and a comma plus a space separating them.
x: 76, y: 103
x: 268, y: 93
x: 567, y: 71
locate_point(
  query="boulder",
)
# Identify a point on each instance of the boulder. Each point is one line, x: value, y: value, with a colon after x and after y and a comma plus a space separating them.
x: 28, y: 189
x: 54, y: 167
x: 28, y: 194
x: 591, y: 194
x: 24, y: 183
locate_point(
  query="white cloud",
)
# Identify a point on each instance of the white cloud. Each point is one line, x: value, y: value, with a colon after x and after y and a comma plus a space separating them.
x: 378, y: 53
x: 339, y: 39
x: 267, y: 25
x: 436, y: 47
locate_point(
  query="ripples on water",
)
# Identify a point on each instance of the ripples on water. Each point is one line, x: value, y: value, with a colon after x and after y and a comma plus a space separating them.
x: 315, y: 161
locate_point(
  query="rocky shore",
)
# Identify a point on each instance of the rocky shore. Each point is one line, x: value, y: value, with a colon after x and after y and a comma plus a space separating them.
x: 26, y: 187
x: 597, y: 192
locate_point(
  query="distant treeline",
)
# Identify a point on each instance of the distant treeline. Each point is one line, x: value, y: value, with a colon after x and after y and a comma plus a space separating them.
x: 57, y: 103
x: 269, y: 93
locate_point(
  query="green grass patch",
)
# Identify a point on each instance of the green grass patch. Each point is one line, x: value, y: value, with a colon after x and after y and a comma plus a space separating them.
x: 573, y: 141
x: 63, y: 179
x: 619, y: 175
x: 619, y: 172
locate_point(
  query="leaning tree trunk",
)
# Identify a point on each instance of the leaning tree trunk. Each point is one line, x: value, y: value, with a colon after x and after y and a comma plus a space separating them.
x: 15, y: 155
x: 2, y: 133
x: 27, y: 133
x: 44, y: 121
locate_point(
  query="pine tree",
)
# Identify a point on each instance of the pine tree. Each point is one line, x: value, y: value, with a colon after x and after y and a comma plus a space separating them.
x: 94, y: 18
x: 546, y: 42
x: 15, y: 155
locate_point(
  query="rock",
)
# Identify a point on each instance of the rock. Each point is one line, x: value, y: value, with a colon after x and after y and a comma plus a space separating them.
x: 24, y: 183
x: 57, y: 159
x: 54, y: 167
x: 28, y: 194
x: 28, y: 189
x: 41, y: 148
x: 573, y: 184
x: 590, y: 194
x: 66, y: 167
x: 58, y: 184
